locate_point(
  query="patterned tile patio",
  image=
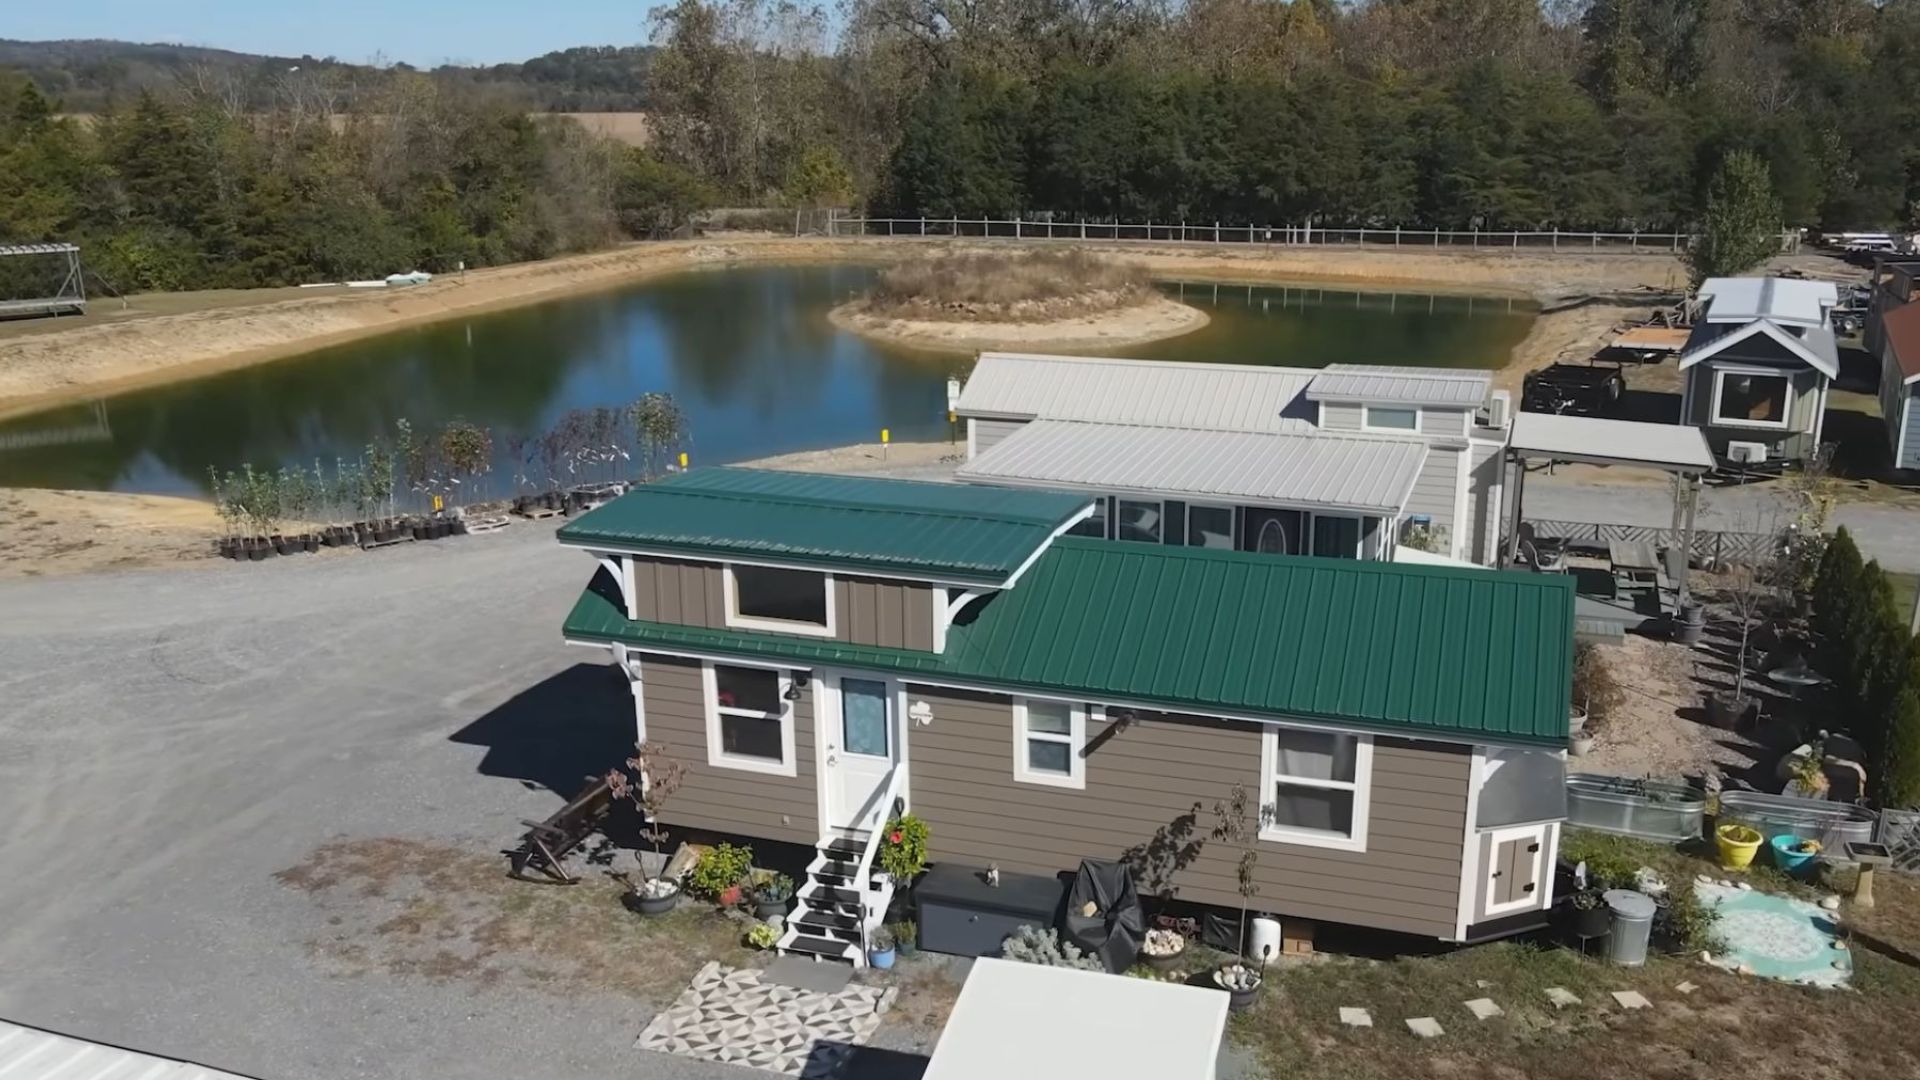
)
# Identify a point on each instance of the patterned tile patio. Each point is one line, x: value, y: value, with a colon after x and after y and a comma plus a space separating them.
x: 732, y: 1015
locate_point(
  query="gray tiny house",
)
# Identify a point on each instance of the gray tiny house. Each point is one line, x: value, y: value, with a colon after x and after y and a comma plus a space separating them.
x: 1897, y: 332
x: 1757, y: 367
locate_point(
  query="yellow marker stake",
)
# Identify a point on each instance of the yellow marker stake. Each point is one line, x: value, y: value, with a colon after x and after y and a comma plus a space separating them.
x: 683, y: 461
x: 885, y: 437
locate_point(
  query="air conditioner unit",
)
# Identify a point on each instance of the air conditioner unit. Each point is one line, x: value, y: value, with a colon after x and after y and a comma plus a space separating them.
x: 1494, y: 411
x: 1747, y: 453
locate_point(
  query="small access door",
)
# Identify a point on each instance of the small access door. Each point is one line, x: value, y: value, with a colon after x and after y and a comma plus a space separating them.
x: 1516, y: 861
x: 860, y: 742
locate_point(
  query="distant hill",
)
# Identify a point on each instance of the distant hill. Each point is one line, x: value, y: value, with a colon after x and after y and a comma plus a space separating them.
x: 86, y: 76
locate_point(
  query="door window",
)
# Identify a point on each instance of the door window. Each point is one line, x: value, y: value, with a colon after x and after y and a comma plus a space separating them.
x: 863, y: 717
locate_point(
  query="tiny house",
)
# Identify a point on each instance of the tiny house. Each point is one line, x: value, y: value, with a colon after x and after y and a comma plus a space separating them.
x: 818, y: 651
x: 1757, y: 368
x: 1897, y: 332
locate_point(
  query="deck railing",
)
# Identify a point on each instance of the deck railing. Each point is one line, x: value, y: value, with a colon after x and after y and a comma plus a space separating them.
x: 875, y: 821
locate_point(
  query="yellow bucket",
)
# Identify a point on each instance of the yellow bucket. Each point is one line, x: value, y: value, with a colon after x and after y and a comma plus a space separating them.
x: 1737, y: 844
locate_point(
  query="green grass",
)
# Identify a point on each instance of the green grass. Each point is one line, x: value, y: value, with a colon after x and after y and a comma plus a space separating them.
x: 1904, y: 587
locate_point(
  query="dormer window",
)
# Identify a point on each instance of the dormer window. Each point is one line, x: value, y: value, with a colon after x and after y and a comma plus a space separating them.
x: 1384, y: 418
x: 779, y: 599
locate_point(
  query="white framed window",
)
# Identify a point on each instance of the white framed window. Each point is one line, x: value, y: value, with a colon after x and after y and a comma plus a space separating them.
x: 1743, y: 398
x: 776, y: 598
x: 1095, y: 524
x: 1049, y: 738
x: 1209, y: 526
x: 1315, y: 787
x: 1390, y: 418
x: 1140, y: 521
x: 749, y: 719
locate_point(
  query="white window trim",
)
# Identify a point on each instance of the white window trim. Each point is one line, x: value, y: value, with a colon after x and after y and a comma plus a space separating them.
x: 737, y: 621
x: 1491, y: 839
x: 1359, y: 536
x: 1366, y: 419
x: 1113, y: 518
x: 1720, y: 374
x: 1076, y: 741
x: 1233, y: 524
x: 710, y: 700
x: 1362, y: 788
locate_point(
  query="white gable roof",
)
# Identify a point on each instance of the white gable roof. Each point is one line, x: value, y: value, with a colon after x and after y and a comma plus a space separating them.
x: 1788, y: 301
x: 1400, y: 385
x: 1815, y: 345
x: 1218, y: 397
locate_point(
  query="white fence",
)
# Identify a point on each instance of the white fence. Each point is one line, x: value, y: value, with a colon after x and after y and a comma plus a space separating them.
x: 1257, y: 235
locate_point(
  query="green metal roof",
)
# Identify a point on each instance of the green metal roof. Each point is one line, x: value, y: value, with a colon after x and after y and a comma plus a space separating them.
x: 1415, y: 650
x: 943, y: 532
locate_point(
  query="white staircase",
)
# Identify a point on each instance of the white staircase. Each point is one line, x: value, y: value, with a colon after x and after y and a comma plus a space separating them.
x: 843, y: 900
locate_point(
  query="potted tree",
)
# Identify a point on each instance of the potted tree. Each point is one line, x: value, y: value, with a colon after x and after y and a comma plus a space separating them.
x: 1237, y: 828
x: 648, y: 781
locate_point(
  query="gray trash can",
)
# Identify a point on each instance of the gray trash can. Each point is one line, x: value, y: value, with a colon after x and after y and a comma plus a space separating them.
x: 1632, y: 925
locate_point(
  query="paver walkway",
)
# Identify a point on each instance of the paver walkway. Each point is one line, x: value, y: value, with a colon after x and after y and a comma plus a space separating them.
x: 732, y: 1015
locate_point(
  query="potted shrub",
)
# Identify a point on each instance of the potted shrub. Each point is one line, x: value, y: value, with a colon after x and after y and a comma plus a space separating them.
x: 880, y: 946
x: 1163, y: 949
x: 763, y: 935
x: 906, y: 937
x: 1241, y: 981
x: 1737, y: 843
x: 770, y: 895
x: 720, y: 873
x: 648, y: 781
x: 903, y: 849
x: 1587, y: 914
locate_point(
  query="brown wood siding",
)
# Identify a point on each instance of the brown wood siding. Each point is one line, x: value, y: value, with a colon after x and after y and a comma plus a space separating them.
x: 726, y: 800
x: 1142, y: 783
x: 680, y: 592
x: 891, y: 614
x: 867, y: 611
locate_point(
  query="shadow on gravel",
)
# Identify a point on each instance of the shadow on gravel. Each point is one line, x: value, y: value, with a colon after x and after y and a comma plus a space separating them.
x: 559, y: 732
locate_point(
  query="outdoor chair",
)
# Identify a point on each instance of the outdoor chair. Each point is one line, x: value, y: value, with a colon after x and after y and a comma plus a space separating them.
x: 547, y: 843
x: 1117, y: 926
x: 1546, y: 554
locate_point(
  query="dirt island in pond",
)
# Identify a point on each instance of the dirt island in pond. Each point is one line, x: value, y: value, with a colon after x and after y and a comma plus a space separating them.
x: 1053, y: 301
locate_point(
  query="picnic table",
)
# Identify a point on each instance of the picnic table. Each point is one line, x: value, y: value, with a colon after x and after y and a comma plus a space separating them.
x: 1635, y: 566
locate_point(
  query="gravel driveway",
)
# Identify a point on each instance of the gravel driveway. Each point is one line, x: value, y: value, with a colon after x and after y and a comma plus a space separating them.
x: 170, y: 740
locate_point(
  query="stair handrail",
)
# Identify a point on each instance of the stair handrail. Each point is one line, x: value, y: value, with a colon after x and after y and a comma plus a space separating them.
x: 877, y: 821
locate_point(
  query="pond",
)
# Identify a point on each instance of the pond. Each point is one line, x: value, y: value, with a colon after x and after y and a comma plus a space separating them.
x: 748, y: 353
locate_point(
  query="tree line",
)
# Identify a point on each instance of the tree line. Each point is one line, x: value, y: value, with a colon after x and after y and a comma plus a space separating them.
x: 196, y: 188
x: 1453, y: 113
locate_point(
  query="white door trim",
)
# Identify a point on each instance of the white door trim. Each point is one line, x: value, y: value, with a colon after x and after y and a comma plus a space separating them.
x: 827, y: 721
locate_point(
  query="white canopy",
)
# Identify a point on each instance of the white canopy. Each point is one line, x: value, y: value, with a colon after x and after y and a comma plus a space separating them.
x: 1022, y: 1020
x: 1599, y: 441
x: 42, y: 1055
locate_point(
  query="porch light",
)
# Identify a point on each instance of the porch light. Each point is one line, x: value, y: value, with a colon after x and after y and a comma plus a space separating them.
x: 795, y: 687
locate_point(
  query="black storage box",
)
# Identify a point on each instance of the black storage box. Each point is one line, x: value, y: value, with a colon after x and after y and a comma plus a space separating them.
x: 960, y: 914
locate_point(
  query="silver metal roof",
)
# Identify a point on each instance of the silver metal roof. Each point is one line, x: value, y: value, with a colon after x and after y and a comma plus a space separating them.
x: 42, y: 1055
x: 37, y: 249
x: 1392, y: 385
x: 1218, y: 397
x: 1672, y: 447
x: 1345, y: 472
x: 1784, y: 300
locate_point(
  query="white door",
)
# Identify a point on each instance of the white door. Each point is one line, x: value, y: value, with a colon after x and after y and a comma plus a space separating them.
x: 860, y: 742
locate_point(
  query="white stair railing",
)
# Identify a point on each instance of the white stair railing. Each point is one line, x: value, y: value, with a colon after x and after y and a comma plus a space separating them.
x: 875, y: 822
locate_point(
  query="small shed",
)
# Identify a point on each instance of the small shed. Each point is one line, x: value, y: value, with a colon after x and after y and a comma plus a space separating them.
x: 1016, y: 1020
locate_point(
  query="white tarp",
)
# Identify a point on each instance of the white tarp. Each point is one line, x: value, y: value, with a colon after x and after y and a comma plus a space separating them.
x: 1022, y: 1020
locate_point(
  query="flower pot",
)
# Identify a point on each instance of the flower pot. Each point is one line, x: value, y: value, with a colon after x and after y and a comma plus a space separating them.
x: 310, y: 542
x: 1690, y: 625
x: 1795, y: 863
x: 258, y: 548
x: 227, y: 547
x: 442, y: 528
x: 730, y: 896
x: 881, y: 958
x: 1238, y: 1000
x: 1576, y: 721
x: 1580, y: 745
x: 421, y: 529
x: 523, y: 503
x: 654, y: 905
x: 1737, y: 845
x: 281, y: 545
x: 1728, y: 710
x: 1587, y: 923
x: 1164, y: 962
x: 767, y: 909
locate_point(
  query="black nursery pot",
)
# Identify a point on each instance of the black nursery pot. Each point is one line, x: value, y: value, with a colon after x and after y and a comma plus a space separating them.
x: 258, y: 548
x: 422, y: 530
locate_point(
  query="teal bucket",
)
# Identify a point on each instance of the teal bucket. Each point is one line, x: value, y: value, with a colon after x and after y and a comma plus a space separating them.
x: 1788, y: 860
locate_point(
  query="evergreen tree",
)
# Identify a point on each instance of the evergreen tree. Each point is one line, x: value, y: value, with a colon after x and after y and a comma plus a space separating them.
x: 1742, y: 226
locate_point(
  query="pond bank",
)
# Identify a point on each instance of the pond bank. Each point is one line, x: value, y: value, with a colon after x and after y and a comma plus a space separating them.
x: 169, y: 337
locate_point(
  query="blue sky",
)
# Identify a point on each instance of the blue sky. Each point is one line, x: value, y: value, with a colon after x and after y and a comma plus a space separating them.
x: 421, y: 32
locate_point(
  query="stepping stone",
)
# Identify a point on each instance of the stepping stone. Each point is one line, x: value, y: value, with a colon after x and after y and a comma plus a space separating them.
x: 1425, y: 1027
x: 1483, y: 984
x: 1561, y: 997
x: 1686, y: 988
x: 1355, y: 1017
x: 1631, y: 999
x: 1483, y: 1009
